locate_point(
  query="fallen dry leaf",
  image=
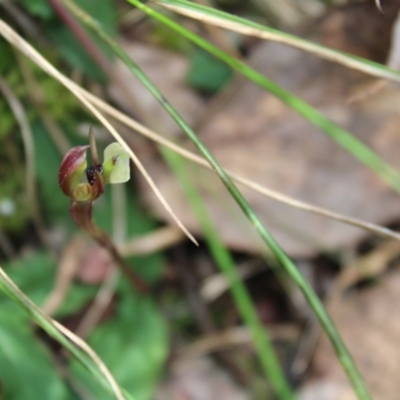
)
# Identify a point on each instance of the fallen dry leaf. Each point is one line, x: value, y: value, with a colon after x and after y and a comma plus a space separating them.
x: 258, y: 137
x: 199, y: 379
x: 369, y: 324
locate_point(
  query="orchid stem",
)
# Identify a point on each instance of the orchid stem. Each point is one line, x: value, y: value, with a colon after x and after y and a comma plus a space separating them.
x: 81, y: 212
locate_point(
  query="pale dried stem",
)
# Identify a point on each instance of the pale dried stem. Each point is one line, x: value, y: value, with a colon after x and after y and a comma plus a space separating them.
x: 68, y: 334
x: 92, y: 100
x: 279, y: 37
x: 66, y: 272
x: 157, y: 240
x: 37, y: 96
x: 27, y: 139
x: 218, y: 36
x: 90, y: 352
x: 379, y: 230
x: 9, y: 34
x: 235, y: 336
x: 100, y: 303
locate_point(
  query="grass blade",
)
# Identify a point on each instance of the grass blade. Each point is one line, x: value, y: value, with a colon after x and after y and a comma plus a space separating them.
x: 318, y: 308
x: 222, y: 19
x: 345, y: 139
x: 79, y: 349
x: 223, y: 259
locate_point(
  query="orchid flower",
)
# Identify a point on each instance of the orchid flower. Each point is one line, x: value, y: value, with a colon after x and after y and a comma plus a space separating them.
x: 71, y: 178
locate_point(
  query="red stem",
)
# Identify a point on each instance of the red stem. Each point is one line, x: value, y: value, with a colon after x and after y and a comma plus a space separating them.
x: 81, y: 213
x: 81, y: 35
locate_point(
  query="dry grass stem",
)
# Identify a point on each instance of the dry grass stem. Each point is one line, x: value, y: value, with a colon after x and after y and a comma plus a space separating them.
x: 10, y: 35
x: 29, y: 147
x: 68, y: 334
x: 123, y: 118
x: 37, y: 96
x: 66, y: 272
x: 234, y: 337
x: 379, y: 6
x: 216, y: 285
x: 90, y: 99
x: 91, y: 353
x: 100, y: 303
x: 365, y: 94
x: 158, y: 240
x: 318, y: 50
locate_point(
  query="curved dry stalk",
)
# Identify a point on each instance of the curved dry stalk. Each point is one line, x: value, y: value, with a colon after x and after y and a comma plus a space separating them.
x: 9, y: 34
x: 263, y: 190
x: 149, y: 243
x: 67, y: 269
x: 92, y: 354
x: 255, y: 30
x: 29, y: 147
x: 35, y: 310
x: 130, y: 122
x: 379, y: 6
x: 231, y: 337
x: 23, y: 46
x: 35, y: 92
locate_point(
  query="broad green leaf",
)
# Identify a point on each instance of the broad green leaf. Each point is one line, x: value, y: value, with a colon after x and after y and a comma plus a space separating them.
x: 133, y: 345
x: 26, y: 368
x: 70, y: 47
x: 207, y: 73
x: 72, y: 51
x: 38, y: 8
x: 35, y: 276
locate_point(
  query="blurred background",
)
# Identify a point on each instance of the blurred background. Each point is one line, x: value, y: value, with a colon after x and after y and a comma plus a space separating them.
x: 186, y: 338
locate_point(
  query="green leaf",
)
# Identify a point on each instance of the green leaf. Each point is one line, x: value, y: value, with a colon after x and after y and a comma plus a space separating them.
x: 38, y: 8
x: 207, y: 73
x: 70, y: 47
x: 72, y: 51
x: 35, y: 276
x: 343, y: 137
x: 26, y: 369
x: 133, y: 345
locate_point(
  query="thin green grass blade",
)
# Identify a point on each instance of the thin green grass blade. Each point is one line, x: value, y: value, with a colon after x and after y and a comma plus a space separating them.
x: 345, y: 139
x: 44, y: 322
x: 317, y: 306
x: 223, y: 259
x: 246, y: 27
